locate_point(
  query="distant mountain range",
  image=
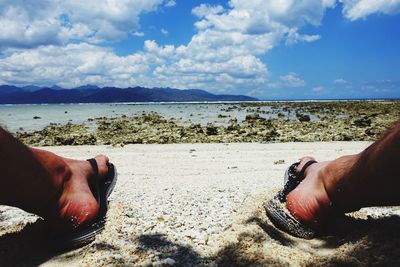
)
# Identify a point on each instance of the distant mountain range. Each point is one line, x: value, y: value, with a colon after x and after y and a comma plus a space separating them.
x: 92, y: 94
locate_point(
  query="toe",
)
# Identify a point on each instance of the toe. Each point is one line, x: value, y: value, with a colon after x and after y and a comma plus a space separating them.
x: 303, y: 161
x: 102, y: 162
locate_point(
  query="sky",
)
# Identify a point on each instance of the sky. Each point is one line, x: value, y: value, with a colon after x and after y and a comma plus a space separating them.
x: 269, y: 49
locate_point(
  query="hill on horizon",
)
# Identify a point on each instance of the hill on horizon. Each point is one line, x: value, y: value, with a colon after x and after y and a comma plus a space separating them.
x: 31, y: 94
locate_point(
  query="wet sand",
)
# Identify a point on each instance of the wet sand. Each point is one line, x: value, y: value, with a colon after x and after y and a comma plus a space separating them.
x: 201, y: 204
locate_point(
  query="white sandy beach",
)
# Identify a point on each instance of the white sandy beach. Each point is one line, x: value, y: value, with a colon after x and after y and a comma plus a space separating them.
x: 201, y: 204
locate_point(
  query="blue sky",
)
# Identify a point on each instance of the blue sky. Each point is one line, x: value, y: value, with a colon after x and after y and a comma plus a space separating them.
x: 281, y: 49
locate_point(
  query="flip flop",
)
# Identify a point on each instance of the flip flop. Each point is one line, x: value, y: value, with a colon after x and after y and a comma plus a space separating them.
x: 101, y: 190
x: 276, y: 207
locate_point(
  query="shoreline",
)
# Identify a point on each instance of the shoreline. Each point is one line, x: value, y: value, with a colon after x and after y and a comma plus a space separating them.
x: 218, y: 102
x: 244, y: 122
x: 201, y: 204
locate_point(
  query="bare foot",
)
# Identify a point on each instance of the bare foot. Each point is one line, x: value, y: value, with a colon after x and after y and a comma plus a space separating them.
x: 73, y: 204
x: 311, y: 202
x: 77, y: 204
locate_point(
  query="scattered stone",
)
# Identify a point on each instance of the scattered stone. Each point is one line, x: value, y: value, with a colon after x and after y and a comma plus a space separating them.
x: 211, y: 129
x: 169, y: 262
x: 279, y: 162
x: 339, y: 121
x: 303, y: 117
x: 362, y: 122
x: 253, y: 117
x: 369, y: 132
x: 55, y: 135
x: 233, y: 127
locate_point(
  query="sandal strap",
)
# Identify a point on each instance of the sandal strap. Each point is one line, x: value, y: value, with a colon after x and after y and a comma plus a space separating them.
x: 94, y: 165
x: 93, y: 180
x: 303, y: 170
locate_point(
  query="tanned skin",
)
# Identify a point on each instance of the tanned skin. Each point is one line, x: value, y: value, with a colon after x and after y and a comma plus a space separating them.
x: 57, y: 189
x: 346, y: 184
x: 46, y: 184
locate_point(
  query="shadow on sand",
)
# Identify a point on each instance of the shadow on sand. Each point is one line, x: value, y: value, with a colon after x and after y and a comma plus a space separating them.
x: 28, y: 247
x: 375, y: 242
x: 356, y: 242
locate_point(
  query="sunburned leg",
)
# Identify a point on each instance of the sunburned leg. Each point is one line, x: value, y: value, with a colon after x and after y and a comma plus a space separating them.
x: 350, y: 182
x: 43, y: 183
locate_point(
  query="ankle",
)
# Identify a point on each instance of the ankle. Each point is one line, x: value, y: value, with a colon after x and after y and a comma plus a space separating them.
x: 337, y: 177
x: 61, y: 175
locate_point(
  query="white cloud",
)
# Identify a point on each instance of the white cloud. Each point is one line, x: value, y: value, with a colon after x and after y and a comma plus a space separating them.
x: 292, y: 80
x: 164, y: 32
x: 289, y: 80
x: 318, y: 89
x: 73, y: 65
x: 138, y: 34
x: 170, y: 3
x: 356, y: 9
x: 264, y: 23
x: 340, y: 81
x: 381, y: 86
x: 77, y: 64
x: 18, y: 30
x: 223, y: 54
x: 204, y: 10
x: 194, y: 66
x: 27, y: 24
x: 238, y: 35
x: 293, y: 37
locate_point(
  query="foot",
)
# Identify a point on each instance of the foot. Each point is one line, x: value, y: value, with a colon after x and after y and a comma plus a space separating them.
x: 311, y: 201
x: 75, y: 203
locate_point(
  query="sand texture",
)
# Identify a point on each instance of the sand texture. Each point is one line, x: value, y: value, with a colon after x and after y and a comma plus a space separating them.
x: 202, y: 204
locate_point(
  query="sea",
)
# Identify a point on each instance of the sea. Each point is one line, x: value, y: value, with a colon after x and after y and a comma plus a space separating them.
x: 31, y: 117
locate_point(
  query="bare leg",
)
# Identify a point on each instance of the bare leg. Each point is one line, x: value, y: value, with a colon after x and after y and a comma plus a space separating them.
x: 349, y: 183
x: 48, y: 185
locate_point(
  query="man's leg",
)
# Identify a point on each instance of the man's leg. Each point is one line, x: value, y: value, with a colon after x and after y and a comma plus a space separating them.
x: 48, y: 185
x: 349, y: 183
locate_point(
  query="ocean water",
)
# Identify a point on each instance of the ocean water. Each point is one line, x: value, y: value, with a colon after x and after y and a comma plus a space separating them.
x: 21, y: 117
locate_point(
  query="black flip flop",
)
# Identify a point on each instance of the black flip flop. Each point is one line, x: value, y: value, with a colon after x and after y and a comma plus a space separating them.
x: 276, y: 207
x: 101, y: 190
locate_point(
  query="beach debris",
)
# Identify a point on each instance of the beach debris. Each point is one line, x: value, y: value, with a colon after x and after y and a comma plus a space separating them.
x: 281, y: 115
x: 168, y: 262
x: 56, y: 135
x: 233, y: 125
x: 279, y: 162
x: 160, y: 219
x: 253, y: 117
x: 211, y: 129
x: 303, y: 117
x: 362, y: 122
x: 334, y: 121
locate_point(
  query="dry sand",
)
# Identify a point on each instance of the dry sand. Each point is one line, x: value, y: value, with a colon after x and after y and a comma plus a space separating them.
x: 201, y: 204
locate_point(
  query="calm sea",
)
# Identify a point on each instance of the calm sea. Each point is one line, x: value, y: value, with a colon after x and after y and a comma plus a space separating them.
x: 21, y: 117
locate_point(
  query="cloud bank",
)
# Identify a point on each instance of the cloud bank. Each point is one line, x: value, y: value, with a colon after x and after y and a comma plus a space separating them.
x: 49, y: 42
x: 357, y: 9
